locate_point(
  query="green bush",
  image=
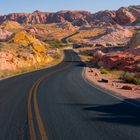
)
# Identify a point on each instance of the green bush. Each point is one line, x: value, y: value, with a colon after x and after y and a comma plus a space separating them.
x: 104, y: 71
x: 136, y: 81
x: 72, y: 41
x: 130, y: 78
x: 56, y: 44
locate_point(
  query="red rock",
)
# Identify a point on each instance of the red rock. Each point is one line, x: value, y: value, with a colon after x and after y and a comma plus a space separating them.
x: 98, y: 55
x: 103, y: 80
x: 127, y: 60
x: 123, y: 16
x: 90, y: 70
x: 129, y: 87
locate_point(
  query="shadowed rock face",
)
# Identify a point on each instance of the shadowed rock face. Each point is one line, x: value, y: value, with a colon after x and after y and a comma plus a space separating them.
x: 128, y: 60
x: 123, y: 16
x: 135, y: 41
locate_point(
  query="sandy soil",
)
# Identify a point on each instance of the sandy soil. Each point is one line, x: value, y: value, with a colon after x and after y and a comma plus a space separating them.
x: 114, y: 85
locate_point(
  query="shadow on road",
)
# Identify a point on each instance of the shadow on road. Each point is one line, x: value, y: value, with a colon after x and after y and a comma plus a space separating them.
x: 77, y: 63
x: 120, y: 113
x: 117, y: 113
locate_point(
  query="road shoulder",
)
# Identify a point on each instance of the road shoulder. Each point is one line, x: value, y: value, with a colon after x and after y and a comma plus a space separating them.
x: 130, y: 98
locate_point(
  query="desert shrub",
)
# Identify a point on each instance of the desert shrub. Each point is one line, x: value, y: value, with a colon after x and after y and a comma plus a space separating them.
x: 130, y: 78
x: 56, y: 44
x: 72, y: 41
x: 136, y: 81
x: 104, y: 71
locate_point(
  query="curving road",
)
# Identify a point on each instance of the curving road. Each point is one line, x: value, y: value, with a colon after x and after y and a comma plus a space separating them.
x: 57, y: 104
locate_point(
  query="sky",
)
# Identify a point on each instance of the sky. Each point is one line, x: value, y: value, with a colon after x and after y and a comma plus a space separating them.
x: 10, y: 6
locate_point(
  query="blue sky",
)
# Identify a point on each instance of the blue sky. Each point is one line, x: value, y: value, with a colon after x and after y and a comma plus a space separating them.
x: 10, y: 6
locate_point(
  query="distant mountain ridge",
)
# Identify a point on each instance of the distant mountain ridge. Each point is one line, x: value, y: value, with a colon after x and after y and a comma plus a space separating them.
x: 123, y: 16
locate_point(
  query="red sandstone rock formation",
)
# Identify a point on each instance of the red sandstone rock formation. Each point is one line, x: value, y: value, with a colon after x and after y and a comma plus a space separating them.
x: 128, y: 60
x: 123, y: 16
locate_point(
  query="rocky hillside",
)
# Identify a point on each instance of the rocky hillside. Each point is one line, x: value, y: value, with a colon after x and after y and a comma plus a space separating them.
x: 23, y: 51
x: 117, y: 36
x: 123, y: 16
x: 4, y: 34
x: 135, y: 42
x: 128, y: 60
x: 11, y: 26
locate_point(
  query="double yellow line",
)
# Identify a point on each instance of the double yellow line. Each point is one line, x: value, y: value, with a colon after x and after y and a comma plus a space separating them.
x: 33, y: 104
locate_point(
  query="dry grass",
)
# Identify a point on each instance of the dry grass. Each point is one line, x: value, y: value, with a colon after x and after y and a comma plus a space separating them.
x: 37, y: 66
x: 85, y: 58
x: 84, y: 49
x: 115, y: 73
x: 52, y: 31
x: 84, y: 34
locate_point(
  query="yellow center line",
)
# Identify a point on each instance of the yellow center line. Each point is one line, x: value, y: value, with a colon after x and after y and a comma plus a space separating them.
x: 30, y: 116
x: 33, y: 92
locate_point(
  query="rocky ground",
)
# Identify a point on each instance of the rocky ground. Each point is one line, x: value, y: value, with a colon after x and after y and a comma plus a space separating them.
x: 112, y: 84
x: 107, y: 79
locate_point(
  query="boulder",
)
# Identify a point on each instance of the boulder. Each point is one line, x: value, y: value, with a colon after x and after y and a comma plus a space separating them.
x: 129, y: 87
x: 103, y: 80
x: 98, y: 55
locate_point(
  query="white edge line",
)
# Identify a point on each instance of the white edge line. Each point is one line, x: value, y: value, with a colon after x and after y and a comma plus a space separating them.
x: 119, y: 97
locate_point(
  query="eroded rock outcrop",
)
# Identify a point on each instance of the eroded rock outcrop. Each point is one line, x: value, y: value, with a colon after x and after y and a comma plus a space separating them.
x: 4, y: 34
x: 66, y: 26
x: 11, y: 26
x: 123, y: 16
x: 114, y: 36
x: 27, y: 51
x: 127, y: 60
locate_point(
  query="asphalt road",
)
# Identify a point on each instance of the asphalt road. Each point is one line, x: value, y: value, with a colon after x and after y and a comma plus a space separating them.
x: 57, y: 104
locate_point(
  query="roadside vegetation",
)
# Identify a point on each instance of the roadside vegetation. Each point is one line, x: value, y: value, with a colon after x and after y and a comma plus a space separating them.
x: 56, y: 44
x: 85, y: 34
x: 72, y: 41
x: 130, y: 78
x: 85, y: 58
x: 104, y: 70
